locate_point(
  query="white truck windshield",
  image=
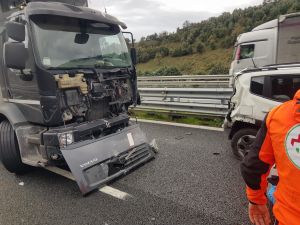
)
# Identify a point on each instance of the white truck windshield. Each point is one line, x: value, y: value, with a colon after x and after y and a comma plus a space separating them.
x: 63, y: 42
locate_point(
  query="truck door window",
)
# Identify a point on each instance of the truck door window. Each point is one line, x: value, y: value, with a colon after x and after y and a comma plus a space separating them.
x: 257, y: 85
x: 246, y: 51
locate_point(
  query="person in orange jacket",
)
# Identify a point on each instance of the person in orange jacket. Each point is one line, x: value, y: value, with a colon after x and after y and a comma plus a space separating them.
x: 277, y: 142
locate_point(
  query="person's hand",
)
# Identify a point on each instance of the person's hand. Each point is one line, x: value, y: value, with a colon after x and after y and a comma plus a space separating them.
x: 259, y: 214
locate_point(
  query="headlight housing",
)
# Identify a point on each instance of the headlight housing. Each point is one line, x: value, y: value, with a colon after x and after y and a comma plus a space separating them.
x: 65, y: 139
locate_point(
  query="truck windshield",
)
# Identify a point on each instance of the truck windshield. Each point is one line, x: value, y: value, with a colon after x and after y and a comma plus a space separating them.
x: 63, y: 42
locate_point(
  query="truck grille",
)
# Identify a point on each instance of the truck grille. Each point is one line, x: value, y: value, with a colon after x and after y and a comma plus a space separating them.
x: 134, y: 155
x: 129, y: 159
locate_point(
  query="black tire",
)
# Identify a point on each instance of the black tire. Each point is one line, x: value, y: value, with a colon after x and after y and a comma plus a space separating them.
x: 242, y: 141
x: 9, y: 149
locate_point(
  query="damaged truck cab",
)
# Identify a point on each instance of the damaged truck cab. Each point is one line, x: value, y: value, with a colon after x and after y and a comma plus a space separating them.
x: 67, y: 80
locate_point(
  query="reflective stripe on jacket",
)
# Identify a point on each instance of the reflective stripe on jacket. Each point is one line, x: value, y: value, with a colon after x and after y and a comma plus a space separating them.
x: 278, y: 141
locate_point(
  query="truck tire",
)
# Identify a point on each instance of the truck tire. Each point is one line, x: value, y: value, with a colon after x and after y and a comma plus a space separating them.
x: 9, y: 149
x: 242, y: 141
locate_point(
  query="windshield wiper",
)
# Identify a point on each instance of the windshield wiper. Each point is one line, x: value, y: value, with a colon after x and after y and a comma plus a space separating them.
x: 87, y: 58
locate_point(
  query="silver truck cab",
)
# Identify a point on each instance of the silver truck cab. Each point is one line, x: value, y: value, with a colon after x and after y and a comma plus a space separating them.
x: 256, y: 92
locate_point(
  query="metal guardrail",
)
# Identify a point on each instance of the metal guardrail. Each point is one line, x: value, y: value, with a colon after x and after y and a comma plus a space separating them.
x: 189, y: 81
x: 196, y: 101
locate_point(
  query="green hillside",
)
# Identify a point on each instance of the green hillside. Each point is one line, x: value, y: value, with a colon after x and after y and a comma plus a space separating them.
x: 205, y: 47
x: 210, y: 62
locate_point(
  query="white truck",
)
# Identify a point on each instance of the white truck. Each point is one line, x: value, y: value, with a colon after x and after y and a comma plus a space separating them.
x: 274, y: 42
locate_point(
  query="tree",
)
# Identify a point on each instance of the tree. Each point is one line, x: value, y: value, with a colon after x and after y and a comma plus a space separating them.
x: 186, y: 24
x: 200, y: 47
x: 164, y: 51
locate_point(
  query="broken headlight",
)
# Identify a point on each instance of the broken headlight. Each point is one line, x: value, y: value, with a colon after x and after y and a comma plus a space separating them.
x: 65, y: 139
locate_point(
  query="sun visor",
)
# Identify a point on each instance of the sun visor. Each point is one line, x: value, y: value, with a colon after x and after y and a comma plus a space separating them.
x: 61, y: 9
x: 71, y: 2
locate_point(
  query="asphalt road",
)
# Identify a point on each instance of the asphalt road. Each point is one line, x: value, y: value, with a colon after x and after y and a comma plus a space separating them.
x: 193, y: 180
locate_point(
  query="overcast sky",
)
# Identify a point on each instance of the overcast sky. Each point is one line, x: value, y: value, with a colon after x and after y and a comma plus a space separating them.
x: 144, y: 17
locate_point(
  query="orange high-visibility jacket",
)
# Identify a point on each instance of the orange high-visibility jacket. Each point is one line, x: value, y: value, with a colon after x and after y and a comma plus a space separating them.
x: 278, y: 141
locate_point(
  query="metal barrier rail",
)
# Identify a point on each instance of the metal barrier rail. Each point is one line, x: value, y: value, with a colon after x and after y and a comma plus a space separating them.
x: 185, y: 81
x: 198, y: 101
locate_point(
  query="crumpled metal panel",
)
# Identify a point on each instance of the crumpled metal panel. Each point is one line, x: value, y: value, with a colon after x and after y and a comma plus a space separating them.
x: 90, y: 161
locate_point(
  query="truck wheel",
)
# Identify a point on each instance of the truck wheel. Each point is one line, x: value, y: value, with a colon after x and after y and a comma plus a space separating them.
x: 242, y: 141
x: 9, y: 149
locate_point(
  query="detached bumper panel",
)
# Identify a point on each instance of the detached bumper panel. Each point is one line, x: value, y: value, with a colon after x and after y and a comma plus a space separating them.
x: 93, y: 163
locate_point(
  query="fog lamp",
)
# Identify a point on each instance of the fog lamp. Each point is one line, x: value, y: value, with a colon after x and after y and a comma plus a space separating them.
x: 65, y: 139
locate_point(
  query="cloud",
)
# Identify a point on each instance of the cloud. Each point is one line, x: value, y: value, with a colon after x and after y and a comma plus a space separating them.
x: 144, y: 17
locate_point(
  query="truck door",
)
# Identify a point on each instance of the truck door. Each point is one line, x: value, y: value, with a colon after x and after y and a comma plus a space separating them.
x: 20, y: 86
x: 253, y: 54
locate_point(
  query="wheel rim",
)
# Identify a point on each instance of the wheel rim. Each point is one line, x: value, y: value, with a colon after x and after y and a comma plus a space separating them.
x: 244, y: 144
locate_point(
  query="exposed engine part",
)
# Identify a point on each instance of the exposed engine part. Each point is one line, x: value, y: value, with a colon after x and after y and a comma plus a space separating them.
x: 54, y: 156
x: 74, y: 104
x: 91, y: 98
x: 98, y: 90
x: 120, y: 92
x: 98, y: 109
x: 64, y: 81
x: 67, y: 115
x: 72, y: 97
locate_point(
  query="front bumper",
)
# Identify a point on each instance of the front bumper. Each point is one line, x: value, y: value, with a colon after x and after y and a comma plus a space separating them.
x: 95, y: 162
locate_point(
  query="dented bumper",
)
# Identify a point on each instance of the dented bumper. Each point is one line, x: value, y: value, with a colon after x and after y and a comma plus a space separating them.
x: 95, y: 162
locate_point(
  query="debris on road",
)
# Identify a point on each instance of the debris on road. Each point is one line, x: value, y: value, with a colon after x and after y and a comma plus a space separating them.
x: 179, y: 138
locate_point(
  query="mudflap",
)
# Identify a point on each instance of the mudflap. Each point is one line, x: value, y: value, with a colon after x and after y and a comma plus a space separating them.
x: 93, y: 163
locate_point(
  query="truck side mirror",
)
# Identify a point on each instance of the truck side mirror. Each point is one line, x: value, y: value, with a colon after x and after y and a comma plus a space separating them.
x: 15, y: 55
x: 15, y: 31
x: 133, y: 56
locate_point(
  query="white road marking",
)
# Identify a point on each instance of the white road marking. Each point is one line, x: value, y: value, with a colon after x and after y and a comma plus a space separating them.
x: 114, y: 192
x: 180, y: 125
x: 106, y: 189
